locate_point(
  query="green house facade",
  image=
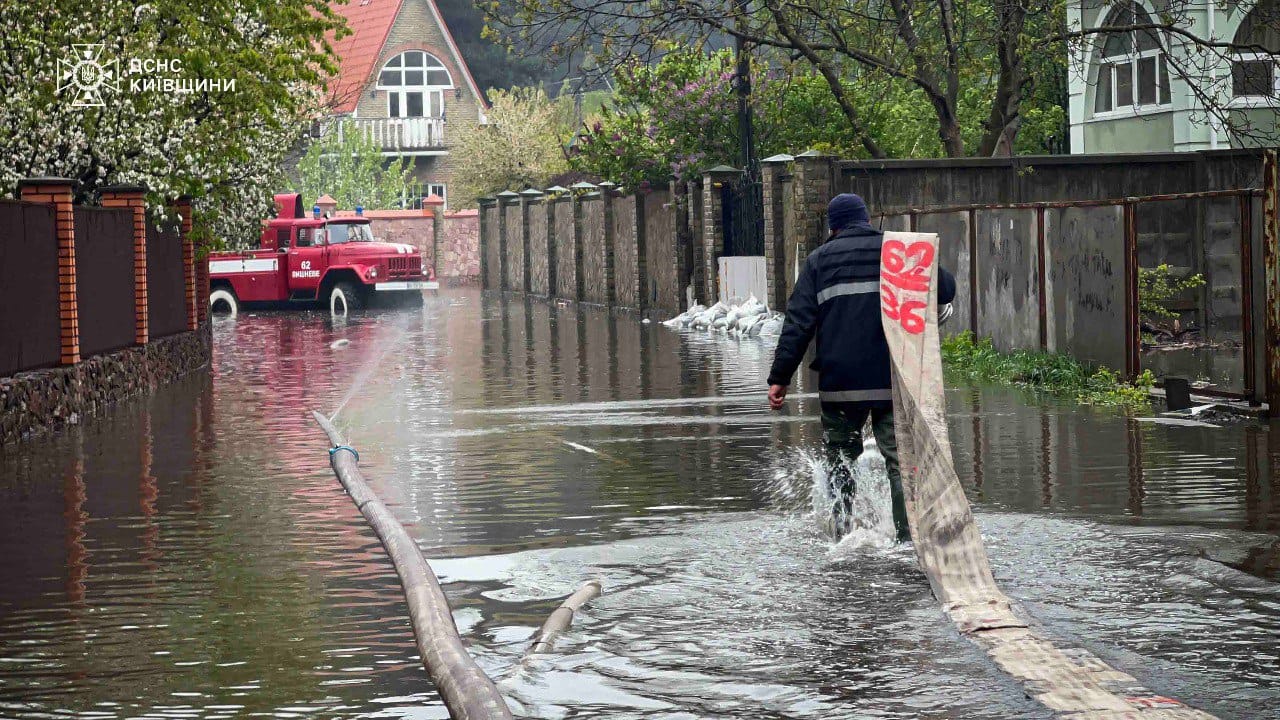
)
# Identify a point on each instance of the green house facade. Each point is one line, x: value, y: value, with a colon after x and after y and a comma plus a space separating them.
x: 1147, y: 90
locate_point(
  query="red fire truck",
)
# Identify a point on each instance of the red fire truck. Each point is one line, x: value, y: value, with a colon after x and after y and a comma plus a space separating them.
x: 331, y: 261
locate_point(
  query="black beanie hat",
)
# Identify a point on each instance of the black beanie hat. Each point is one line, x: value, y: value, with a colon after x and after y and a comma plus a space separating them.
x: 847, y: 209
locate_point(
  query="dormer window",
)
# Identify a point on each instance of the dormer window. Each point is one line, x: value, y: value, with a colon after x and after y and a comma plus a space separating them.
x: 415, y: 82
x: 1133, y: 73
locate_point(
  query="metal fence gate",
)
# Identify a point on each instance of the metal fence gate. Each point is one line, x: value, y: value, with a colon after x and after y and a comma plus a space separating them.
x: 743, y: 208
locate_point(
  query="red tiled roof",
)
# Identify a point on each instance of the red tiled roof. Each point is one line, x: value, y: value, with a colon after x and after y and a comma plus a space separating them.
x: 370, y: 22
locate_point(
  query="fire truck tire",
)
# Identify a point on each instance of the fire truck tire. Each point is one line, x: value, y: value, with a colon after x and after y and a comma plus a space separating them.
x: 345, y: 298
x: 224, y: 297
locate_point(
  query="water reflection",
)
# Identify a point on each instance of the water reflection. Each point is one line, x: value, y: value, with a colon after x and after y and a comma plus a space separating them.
x: 190, y: 553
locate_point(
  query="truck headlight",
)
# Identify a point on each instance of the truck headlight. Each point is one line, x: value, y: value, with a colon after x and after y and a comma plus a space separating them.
x: 373, y: 272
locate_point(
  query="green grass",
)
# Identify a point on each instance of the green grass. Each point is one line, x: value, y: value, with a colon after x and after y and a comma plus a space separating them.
x: 969, y: 358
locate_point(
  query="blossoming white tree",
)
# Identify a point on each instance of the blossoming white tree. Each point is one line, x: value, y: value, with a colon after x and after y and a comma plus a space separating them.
x: 248, y: 77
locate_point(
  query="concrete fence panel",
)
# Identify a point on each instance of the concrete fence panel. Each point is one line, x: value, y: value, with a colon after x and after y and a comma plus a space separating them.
x: 897, y: 222
x: 539, y: 257
x: 104, y: 273
x: 29, y: 336
x: 954, y: 252
x: 568, y: 256
x: 1008, y: 278
x: 513, y: 246
x: 595, y: 281
x: 1085, y: 288
x: 626, y: 260
x: 665, y: 292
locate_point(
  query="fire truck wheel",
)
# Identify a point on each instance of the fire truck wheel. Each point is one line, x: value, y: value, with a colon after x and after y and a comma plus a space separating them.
x: 345, y: 298
x: 224, y: 300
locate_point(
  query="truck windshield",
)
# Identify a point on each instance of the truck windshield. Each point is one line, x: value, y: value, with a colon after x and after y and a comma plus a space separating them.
x: 349, y: 232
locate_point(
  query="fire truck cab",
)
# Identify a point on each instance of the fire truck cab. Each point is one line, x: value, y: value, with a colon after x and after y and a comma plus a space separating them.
x: 333, y: 261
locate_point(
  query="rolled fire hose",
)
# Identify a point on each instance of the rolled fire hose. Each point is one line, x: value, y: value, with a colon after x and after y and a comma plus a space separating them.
x: 467, y: 691
x: 1072, y: 682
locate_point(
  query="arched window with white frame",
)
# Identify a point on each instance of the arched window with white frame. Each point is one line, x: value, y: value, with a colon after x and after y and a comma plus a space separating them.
x: 1133, y: 72
x: 415, y: 82
x: 1254, y: 78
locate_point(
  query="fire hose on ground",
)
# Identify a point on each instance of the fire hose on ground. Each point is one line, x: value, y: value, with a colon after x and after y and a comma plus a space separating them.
x: 468, y: 693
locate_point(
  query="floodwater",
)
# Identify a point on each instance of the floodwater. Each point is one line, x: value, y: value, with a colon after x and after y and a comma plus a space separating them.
x: 190, y: 555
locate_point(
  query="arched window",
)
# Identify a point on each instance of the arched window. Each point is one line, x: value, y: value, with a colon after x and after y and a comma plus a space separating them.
x: 415, y: 82
x: 1253, y: 70
x: 1132, y: 72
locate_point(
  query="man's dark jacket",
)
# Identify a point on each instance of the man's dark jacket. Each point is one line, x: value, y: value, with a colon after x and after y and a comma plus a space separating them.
x: 838, y: 296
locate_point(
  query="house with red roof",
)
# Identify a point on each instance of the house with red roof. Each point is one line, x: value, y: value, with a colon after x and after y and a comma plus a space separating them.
x: 402, y: 81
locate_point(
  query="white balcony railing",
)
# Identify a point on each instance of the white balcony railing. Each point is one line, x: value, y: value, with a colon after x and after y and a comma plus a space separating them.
x: 402, y: 134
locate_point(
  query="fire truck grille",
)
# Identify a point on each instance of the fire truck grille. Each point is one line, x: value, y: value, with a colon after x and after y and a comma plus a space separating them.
x: 399, y: 267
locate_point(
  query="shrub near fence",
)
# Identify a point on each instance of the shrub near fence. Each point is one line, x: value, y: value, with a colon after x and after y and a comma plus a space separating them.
x: 104, y: 277
x: 29, y: 337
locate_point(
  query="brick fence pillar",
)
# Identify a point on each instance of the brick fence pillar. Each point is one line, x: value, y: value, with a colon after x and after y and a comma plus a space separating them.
x: 609, y: 196
x: 529, y: 199
x: 582, y: 191
x: 504, y: 198
x: 554, y: 193
x: 643, y: 299
x: 714, y: 183
x: 434, y: 204
x: 685, y: 281
x: 57, y: 192
x: 484, y: 206
x: 812, y: 187
x: 772, y: 171
x: 133, y: 198
x: 183, y: 207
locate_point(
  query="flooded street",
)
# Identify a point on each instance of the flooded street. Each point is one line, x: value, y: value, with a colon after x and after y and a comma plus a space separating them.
x: 190, y: 555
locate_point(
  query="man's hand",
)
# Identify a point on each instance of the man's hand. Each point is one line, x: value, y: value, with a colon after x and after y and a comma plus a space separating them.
x: 777, y: 394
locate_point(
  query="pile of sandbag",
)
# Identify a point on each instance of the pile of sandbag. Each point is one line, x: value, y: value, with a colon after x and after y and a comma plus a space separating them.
x: 748, y: 319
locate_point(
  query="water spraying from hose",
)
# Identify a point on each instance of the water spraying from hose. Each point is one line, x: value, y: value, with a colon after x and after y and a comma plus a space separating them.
x: 401, y: 332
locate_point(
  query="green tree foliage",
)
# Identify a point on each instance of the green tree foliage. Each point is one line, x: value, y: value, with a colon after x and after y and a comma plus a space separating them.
x: 679, y: 116
x: 223, y: 146
x: 522, y: 146
x: 348, y: 165
x: 979, y: 73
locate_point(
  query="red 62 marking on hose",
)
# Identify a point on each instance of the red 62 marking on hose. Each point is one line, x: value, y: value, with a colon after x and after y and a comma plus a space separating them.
x: 895, y: 273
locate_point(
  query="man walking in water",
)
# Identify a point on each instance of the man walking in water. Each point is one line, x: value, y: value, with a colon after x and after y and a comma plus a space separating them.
x: 837, y: 297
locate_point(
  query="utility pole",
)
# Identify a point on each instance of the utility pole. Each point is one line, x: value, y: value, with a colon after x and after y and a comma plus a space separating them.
x: 746, y: 137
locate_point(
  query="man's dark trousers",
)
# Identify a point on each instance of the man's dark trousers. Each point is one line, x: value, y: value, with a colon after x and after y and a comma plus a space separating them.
x: 842, y: 425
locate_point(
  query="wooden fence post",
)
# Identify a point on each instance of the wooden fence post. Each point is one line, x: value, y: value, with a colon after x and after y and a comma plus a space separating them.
x: 133, y: 198
x: 57, y: 192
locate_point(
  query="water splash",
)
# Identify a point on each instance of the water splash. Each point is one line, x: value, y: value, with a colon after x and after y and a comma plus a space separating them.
x: 801, y: 486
